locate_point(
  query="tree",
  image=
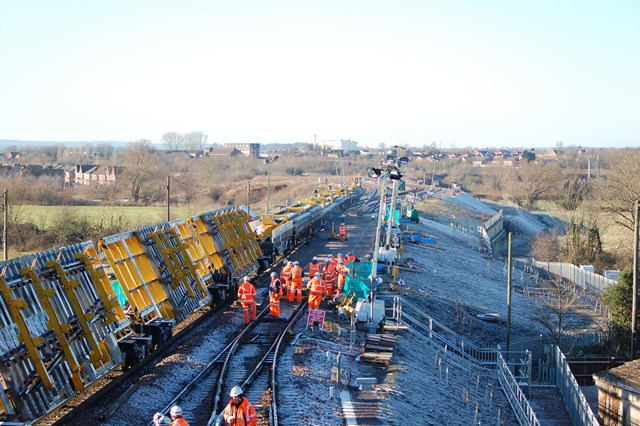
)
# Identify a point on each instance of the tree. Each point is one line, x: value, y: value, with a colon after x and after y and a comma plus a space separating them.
x: 529, y: 156
x: 618, y: 192
x: 575, y: 189
x: 618, y: 298
x: 140, y: 167
x: 533, y: 181
x: 195, y: 140
x: 172, y: 140
x: 546, y: 247
x: 554, y: 306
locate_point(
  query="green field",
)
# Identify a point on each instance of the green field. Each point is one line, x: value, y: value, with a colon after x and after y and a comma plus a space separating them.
x: 133, y: 217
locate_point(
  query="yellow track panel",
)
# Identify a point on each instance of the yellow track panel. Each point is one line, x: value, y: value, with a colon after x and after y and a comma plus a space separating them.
x: 139, y: 279
x: 197, y: 261
x: 207, y: 246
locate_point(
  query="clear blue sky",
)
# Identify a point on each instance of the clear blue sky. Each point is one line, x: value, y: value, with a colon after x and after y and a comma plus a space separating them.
x: 460, y: 73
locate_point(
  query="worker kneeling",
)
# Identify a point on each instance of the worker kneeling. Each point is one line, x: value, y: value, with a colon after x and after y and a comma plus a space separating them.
x: 247, y: 297
x: 239, y: 411
x: 316, y: 291
x: 176, y: 418
x: 295, y: 289
x: 275, y: 293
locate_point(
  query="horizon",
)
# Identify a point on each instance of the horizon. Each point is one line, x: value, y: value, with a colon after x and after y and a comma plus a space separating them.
x: 460, y: 73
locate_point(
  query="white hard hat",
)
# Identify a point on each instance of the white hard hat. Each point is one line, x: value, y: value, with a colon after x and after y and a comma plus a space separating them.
x: 330, y: 255
x: 246, y: 278
x: 315, y: 257
x: 236, y: 391
x: 317, y: 274
x: 340, y: 261
x: 339, y: 254
x: 274, y: 274
x: 296, y: 263
x: 176, y: 411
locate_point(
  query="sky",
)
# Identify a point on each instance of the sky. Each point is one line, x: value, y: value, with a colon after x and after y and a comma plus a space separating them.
x: 477, y: 73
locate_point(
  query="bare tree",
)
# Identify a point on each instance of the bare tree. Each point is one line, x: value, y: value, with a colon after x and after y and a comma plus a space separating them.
x: 618, y: 192
x: 546, y: 247
x: 140, y: 168
x: 533, y: 181
x: 554, y: 305
x: 172, y: 140
x: 195, y: 140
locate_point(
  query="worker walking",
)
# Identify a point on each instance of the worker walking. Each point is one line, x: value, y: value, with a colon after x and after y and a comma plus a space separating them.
x: 316, y: 291
x: 285, y: 276
x: 295, y: 288
x: 239, y: 411
x: 275, y: 293
x: 342, y: 270
x: 176, y: 418
x: 350, y: 258
x: 342, y: 231
x: 247, y: 296
x: 330, y: 276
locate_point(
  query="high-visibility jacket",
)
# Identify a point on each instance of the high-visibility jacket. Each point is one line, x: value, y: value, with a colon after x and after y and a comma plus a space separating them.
x: 241, y: 414
x: 342, y: 230
x: 276, y: 286
x: 296, y: 276
x: 247, y: 293
x: 342, y: 274
x: 329, y: 268
x: 314, y: 267
x: 285, y: 274
x: 180, y: 421
x: 350, y: 258
x: 316, y: 286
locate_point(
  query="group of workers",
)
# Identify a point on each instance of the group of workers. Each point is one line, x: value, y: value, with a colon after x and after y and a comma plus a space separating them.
x: 238, y: 412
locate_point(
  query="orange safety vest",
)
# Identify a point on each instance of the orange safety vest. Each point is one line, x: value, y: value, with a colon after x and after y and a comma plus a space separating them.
x: 285, y: 275
x: 343, y: 230
x: 313, y: 268
x: 180, y: 421
x: 296, y: 275
x: 247, y: 293
x: 342, y: 274
x: 243, y: 414
x: 350, y: 258
x: 316, y: 286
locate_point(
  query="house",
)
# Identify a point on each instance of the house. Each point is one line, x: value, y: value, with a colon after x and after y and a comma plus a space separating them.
x: 619, y: 395
x: 87, y: 174
x: 13, y: 155
x: 224, y: 152
x: 340, y: 145
x: 247, y: 149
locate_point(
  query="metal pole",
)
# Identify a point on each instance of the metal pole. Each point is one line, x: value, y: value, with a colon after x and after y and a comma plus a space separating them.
x: 5, y: 227
x: 374, y: 262
x: 509, y: 298
x: 634, y: 298
x: 168, y: 198
x: 248, y: 197
x: 392, y: 212
x: 268, y: 185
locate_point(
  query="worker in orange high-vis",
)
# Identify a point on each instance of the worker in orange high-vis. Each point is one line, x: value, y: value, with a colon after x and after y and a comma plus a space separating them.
x: 295, y: 288
x: 239, y: 411
x: 285, y: 276
x: 316, y: 291
x: 275, y: 293
x: 314, y: 266
x: 331, y: 259
x: 342, y: 232
x: 330, y: 277
x: 342, y: 271
x: 247, y: 297
x: 350, y: 258
x: 176, y: 418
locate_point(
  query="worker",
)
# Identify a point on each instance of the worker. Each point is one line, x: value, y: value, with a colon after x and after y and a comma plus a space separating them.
x: 330, y: 276
x: 316, y: 291
x: 342, y: 271
x: 331, y: 259
x: 285, y: 276
x: 314, y: 267
x: 247, y: 296
x: 295, y: 288
x: 176, y: 418
x: 350, y: 258
x: 239, y: 411
x: 342, y: 231
x: 340, y: 257
x: 275, y: 293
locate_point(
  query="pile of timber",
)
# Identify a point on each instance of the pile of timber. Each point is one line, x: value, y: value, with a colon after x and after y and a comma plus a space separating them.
x: 378, y: 348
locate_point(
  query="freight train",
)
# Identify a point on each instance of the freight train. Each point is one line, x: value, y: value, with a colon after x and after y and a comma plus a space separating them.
x: 70, y: 315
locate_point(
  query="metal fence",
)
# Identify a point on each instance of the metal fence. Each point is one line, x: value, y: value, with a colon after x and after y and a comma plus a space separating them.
x: 588, y: 281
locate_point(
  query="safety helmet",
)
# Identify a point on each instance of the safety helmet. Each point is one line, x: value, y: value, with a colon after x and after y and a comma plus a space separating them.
x: 342, y: 223
x: 274, y: 274
x: 236, y: 391
x: 340, y: 255
x: 330, y: 255
x: 317, y: 274
x: 315, y: 257
x: 348, y: 253
x: 176, y: 411
x: 296, y: 263
x: 340, y: 261
x: 246, y: 278
x: 327, y: 261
